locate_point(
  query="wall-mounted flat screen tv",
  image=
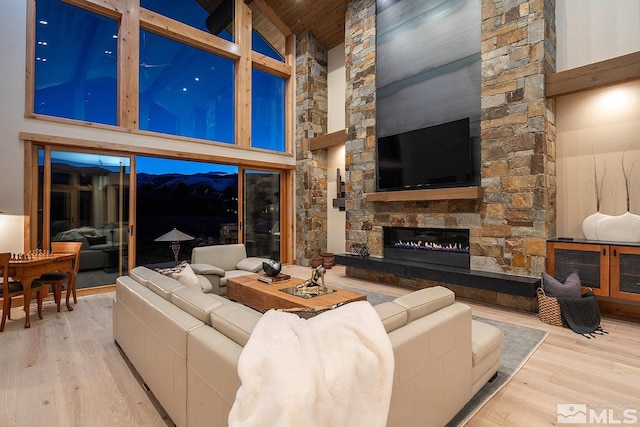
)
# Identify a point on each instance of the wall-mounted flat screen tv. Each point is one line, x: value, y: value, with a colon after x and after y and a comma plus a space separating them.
x: 437, y: 156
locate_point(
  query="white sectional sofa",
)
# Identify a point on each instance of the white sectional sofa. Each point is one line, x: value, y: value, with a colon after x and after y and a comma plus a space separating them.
x: 185, y: 345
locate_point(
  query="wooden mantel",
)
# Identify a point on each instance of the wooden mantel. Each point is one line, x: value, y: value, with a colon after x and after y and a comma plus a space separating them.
x: 612, y: 71
x: 333, y: 139
x: 454, y: 193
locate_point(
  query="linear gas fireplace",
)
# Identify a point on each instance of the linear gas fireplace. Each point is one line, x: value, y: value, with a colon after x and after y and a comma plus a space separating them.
x: 442, y: 246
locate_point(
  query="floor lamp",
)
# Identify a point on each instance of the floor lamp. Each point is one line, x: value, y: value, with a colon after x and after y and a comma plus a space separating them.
x: 175, y: 237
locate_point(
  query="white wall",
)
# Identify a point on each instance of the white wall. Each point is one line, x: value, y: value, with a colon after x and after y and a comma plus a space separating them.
x: 591, y: 31
x: 12, y: 122
x: 596, y: 126
x: 601, y: 123
x: 336, y: 88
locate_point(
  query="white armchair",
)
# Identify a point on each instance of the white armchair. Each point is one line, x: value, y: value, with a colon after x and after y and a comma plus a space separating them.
x: 219, y: 262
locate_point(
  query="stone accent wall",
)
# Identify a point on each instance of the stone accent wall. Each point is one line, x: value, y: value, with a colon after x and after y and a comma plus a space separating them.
x: 360, y: 117
x: 518, y: 137
x: 510, y: 225
x: 311, y: 167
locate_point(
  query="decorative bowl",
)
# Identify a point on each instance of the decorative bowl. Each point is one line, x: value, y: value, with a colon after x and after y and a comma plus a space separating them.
x: 272, y: 267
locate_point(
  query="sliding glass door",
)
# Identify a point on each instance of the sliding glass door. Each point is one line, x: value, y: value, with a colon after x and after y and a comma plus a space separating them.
x: 197, y: 199
x: 261, y: 213
x: 124, y: 208
x: 86, y: 199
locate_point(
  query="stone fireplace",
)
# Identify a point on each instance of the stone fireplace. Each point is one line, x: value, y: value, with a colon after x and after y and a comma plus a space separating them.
x: 440, y: 246
x: 508, y: 223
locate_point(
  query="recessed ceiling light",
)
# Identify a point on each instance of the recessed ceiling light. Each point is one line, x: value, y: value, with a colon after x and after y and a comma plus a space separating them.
x: 184, y: 89
x: 43, y: 22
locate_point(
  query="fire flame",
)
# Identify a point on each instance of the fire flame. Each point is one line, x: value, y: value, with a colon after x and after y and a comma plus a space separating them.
x: 431, y: 246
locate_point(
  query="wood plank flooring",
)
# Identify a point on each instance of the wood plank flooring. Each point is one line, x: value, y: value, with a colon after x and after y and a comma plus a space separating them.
x: 66, y: 370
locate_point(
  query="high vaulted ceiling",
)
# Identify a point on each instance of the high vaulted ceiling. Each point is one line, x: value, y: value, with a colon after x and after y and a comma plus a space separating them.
x: 324, y: 18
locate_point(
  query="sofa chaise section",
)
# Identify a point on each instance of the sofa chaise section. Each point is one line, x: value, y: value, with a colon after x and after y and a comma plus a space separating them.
x: 153, y: 332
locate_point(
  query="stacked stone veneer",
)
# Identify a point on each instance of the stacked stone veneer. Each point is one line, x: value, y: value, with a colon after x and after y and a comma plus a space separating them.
x: 311, y: 167
x: 509, y: 226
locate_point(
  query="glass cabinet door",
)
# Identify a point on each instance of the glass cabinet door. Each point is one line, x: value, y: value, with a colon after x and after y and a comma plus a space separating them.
x: 625, y: 272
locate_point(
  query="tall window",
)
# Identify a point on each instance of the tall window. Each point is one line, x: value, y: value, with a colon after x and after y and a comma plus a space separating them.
x: 266, y: 38
x: 185, y: 91
x: 75, y: 63
x: 215, y: 17
x: 186, y: 87
x: 267, y: 111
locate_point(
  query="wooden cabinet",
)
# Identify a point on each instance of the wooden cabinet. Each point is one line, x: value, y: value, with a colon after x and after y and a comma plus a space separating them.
x: 610, y: 269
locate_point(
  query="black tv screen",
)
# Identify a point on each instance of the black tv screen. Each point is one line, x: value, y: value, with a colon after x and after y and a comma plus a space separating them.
x: 433, y: 157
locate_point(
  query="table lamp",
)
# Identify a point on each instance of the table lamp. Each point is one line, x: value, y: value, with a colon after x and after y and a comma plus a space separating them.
x: 175, y: 237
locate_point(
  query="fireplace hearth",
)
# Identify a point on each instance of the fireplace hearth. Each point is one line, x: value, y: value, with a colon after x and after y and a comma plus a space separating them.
x: 441, y: 246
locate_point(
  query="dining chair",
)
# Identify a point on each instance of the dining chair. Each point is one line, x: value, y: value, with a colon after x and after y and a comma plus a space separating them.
x: 11, y: 289
x: 58, y: 278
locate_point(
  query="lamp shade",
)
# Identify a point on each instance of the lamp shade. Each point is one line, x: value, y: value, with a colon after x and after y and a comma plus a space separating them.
x: 174, y: 236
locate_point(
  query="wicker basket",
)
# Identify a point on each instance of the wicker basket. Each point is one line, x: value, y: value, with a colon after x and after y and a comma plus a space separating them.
x: 548, y: 309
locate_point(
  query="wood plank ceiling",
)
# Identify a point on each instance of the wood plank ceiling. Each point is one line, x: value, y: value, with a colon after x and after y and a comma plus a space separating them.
x: 324, y: 18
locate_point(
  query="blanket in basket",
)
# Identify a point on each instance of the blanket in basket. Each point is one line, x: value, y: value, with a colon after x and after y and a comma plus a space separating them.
x: 582, y: 315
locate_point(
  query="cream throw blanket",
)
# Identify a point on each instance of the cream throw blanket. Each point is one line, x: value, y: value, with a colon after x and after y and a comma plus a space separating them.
x: 335, y: 369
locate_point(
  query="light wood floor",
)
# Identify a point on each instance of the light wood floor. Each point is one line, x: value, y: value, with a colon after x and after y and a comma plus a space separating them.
x: 66, y: 370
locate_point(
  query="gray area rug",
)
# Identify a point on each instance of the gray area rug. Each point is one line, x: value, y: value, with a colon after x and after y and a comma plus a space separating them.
x: 518, y: 345
x: 373, y: 297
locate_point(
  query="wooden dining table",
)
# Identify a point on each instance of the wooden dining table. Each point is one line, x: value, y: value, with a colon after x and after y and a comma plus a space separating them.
x: 28, y: 270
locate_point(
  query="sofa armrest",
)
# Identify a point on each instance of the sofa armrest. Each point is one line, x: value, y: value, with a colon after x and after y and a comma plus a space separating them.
x: 252, y: 264
x: 207, y: 269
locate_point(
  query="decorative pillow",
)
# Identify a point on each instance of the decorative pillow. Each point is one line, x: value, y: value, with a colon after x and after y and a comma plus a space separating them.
x: 207, y: 269
x: 188, y: 278
x: 96, y: 240
x: 569, y: 289
x: 172, y: 270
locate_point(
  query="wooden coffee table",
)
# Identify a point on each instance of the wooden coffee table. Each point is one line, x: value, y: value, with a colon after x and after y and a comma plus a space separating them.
x: 250, y: 291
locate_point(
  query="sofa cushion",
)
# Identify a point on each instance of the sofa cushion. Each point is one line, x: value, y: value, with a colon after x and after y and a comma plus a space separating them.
x: 207, y: 269
x: 164, y: 286
x: 141, y: 275
x: 425, y: 301
x: 236, y: 321
x: 196, y: 303
x: 485, y: 339
x: 96, y: 240
x: 251, y: 264
x: 393, y: 315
